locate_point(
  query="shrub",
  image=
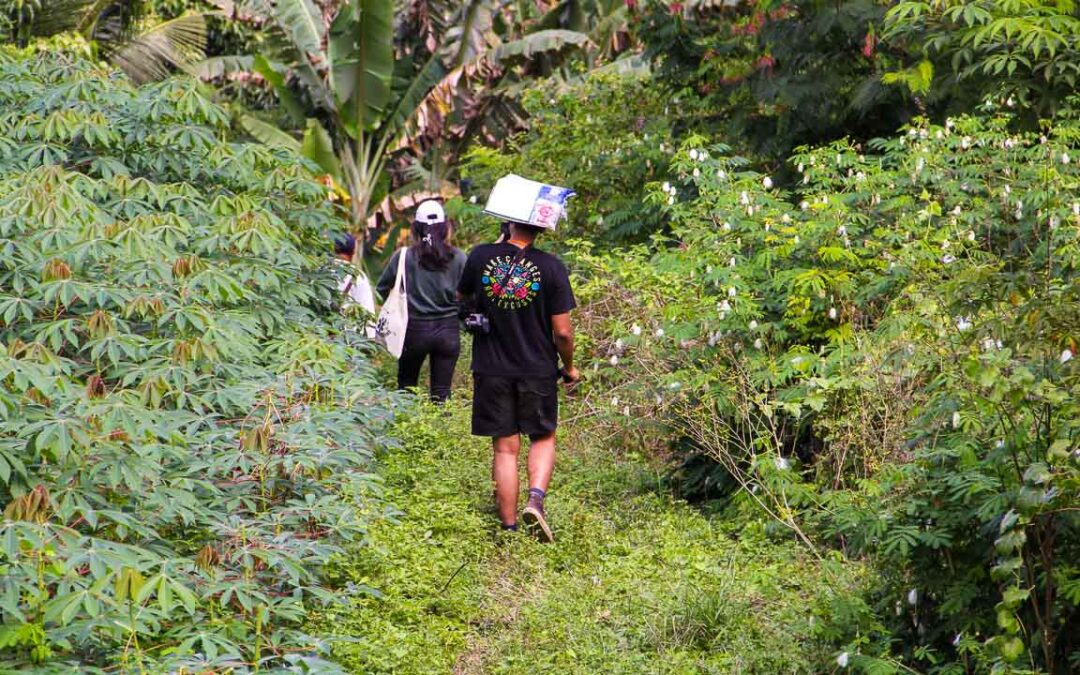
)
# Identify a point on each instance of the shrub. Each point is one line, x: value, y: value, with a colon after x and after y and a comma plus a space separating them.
x: 178, y: 422
x: 882, y: 360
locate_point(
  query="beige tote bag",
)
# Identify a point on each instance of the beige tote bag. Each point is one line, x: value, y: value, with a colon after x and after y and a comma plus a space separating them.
x: 394, y: 315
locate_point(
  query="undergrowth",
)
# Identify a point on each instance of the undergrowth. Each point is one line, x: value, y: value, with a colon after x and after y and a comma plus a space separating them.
x: 637, y: 581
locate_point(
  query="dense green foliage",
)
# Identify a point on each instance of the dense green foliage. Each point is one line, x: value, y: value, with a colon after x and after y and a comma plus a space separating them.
x: 884, y: 356
x: 178, y: 424
x: 1022, y: 49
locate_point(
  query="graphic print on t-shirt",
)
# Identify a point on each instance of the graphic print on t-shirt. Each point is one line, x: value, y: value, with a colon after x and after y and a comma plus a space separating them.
x: 511, y: 289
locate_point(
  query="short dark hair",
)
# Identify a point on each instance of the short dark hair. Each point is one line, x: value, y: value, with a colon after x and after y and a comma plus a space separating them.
x: 344, y: 244
x: 534, y: 230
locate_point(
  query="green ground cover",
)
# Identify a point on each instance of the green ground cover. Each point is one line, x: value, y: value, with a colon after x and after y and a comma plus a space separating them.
x: 637, y: 581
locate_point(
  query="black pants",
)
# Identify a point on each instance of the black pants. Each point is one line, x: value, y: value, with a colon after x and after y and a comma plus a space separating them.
x: 439, y: 339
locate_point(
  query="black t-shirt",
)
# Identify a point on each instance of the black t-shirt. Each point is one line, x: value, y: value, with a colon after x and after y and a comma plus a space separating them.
x: 519, y: 303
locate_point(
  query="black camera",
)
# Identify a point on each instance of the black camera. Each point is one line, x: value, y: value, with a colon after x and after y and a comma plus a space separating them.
x: 477, y: 323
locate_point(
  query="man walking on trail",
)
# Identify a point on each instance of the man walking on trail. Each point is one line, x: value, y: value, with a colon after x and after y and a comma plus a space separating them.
x: 523, y: 299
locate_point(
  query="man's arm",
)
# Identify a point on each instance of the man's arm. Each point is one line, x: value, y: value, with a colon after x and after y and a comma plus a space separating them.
x: 563, y: 333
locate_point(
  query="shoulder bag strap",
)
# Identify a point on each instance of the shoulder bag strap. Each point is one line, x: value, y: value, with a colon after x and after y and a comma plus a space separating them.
x: 399, y: 281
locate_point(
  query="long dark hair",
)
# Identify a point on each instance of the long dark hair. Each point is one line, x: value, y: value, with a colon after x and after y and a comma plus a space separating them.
x: 431, y: 245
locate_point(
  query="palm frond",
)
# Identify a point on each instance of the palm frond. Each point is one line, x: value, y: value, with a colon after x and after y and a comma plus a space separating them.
x: 154, y: 54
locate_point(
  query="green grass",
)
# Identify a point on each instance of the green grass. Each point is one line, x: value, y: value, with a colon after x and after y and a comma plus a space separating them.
x: 637, y: 581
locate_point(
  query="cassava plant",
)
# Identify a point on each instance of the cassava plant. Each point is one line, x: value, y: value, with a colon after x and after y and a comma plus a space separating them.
x: 179, y: 422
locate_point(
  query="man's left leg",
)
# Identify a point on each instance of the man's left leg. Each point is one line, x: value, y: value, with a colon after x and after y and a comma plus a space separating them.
x: 504, y: 469
x: 541, y: 465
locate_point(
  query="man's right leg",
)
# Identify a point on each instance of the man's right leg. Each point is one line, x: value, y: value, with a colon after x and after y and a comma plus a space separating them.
x: 505, y: 472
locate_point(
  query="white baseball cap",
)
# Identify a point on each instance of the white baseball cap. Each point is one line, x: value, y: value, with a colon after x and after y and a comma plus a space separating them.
x: 430, y: 211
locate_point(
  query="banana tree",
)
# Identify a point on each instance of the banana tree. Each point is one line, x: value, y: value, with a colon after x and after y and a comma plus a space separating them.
x: 338, y: 76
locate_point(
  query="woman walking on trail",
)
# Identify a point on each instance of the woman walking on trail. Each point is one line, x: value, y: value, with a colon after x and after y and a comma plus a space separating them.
x: 432, y: 271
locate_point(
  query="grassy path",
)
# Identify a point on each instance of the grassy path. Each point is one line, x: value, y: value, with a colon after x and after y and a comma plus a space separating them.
x: 636, y: 582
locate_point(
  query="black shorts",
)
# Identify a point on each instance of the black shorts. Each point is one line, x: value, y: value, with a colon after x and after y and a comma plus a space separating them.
x: 507, y: 406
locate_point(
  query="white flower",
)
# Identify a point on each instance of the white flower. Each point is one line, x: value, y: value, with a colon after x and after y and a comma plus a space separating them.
x: 971, y: 235
x: 708, y: 269
x: 800, y: 168
x: 1053, y: 222
x: 674, y: 386
x: 949, y: 123
x: 963, y: 323
x: 806, y: 178
x: 1065, y: 158
x: 804, y: 205
x: 472, y: 200
x: 767, y: 226
x: 999, y: 444
x: 782, y: 463
x: 1007, y: 190
x: 697, y: 172
x: 721, y: 174
x: 1009, y: 143
x: 767, y: 183
x: 670, y: 201
x: 1066, y: 356
x: 842, y: 660
x: 659, y: 333
x: 753, y: 325
x: 614, y: 401
x: 666, y: 187
x: 949, y: 259
x: 725, y: 306
x: 1009, y: 102
x: 785, y: 218
x: 945, y: 244
x: 659, y: 399
x: 703, y: 155
x: 957, y: 211
x: 955, y: 425
x: 1019, y: 214
x: 965, y: 142
x: 727, y: 227
x: 635, y: 329
x: 1076, y: 209
x: 731, y: 292
x: 731, y: 262
x: 744, y: 198
x: 693, y: 155
x: 832, y: 313
x: 796, y: 240
x: 921, y: 164
x: 757, y: 343
x: 619, y: 344
x: 614, y: 359
x: 626, y: 411
x: 913, y: 597
x: 956, y: 640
